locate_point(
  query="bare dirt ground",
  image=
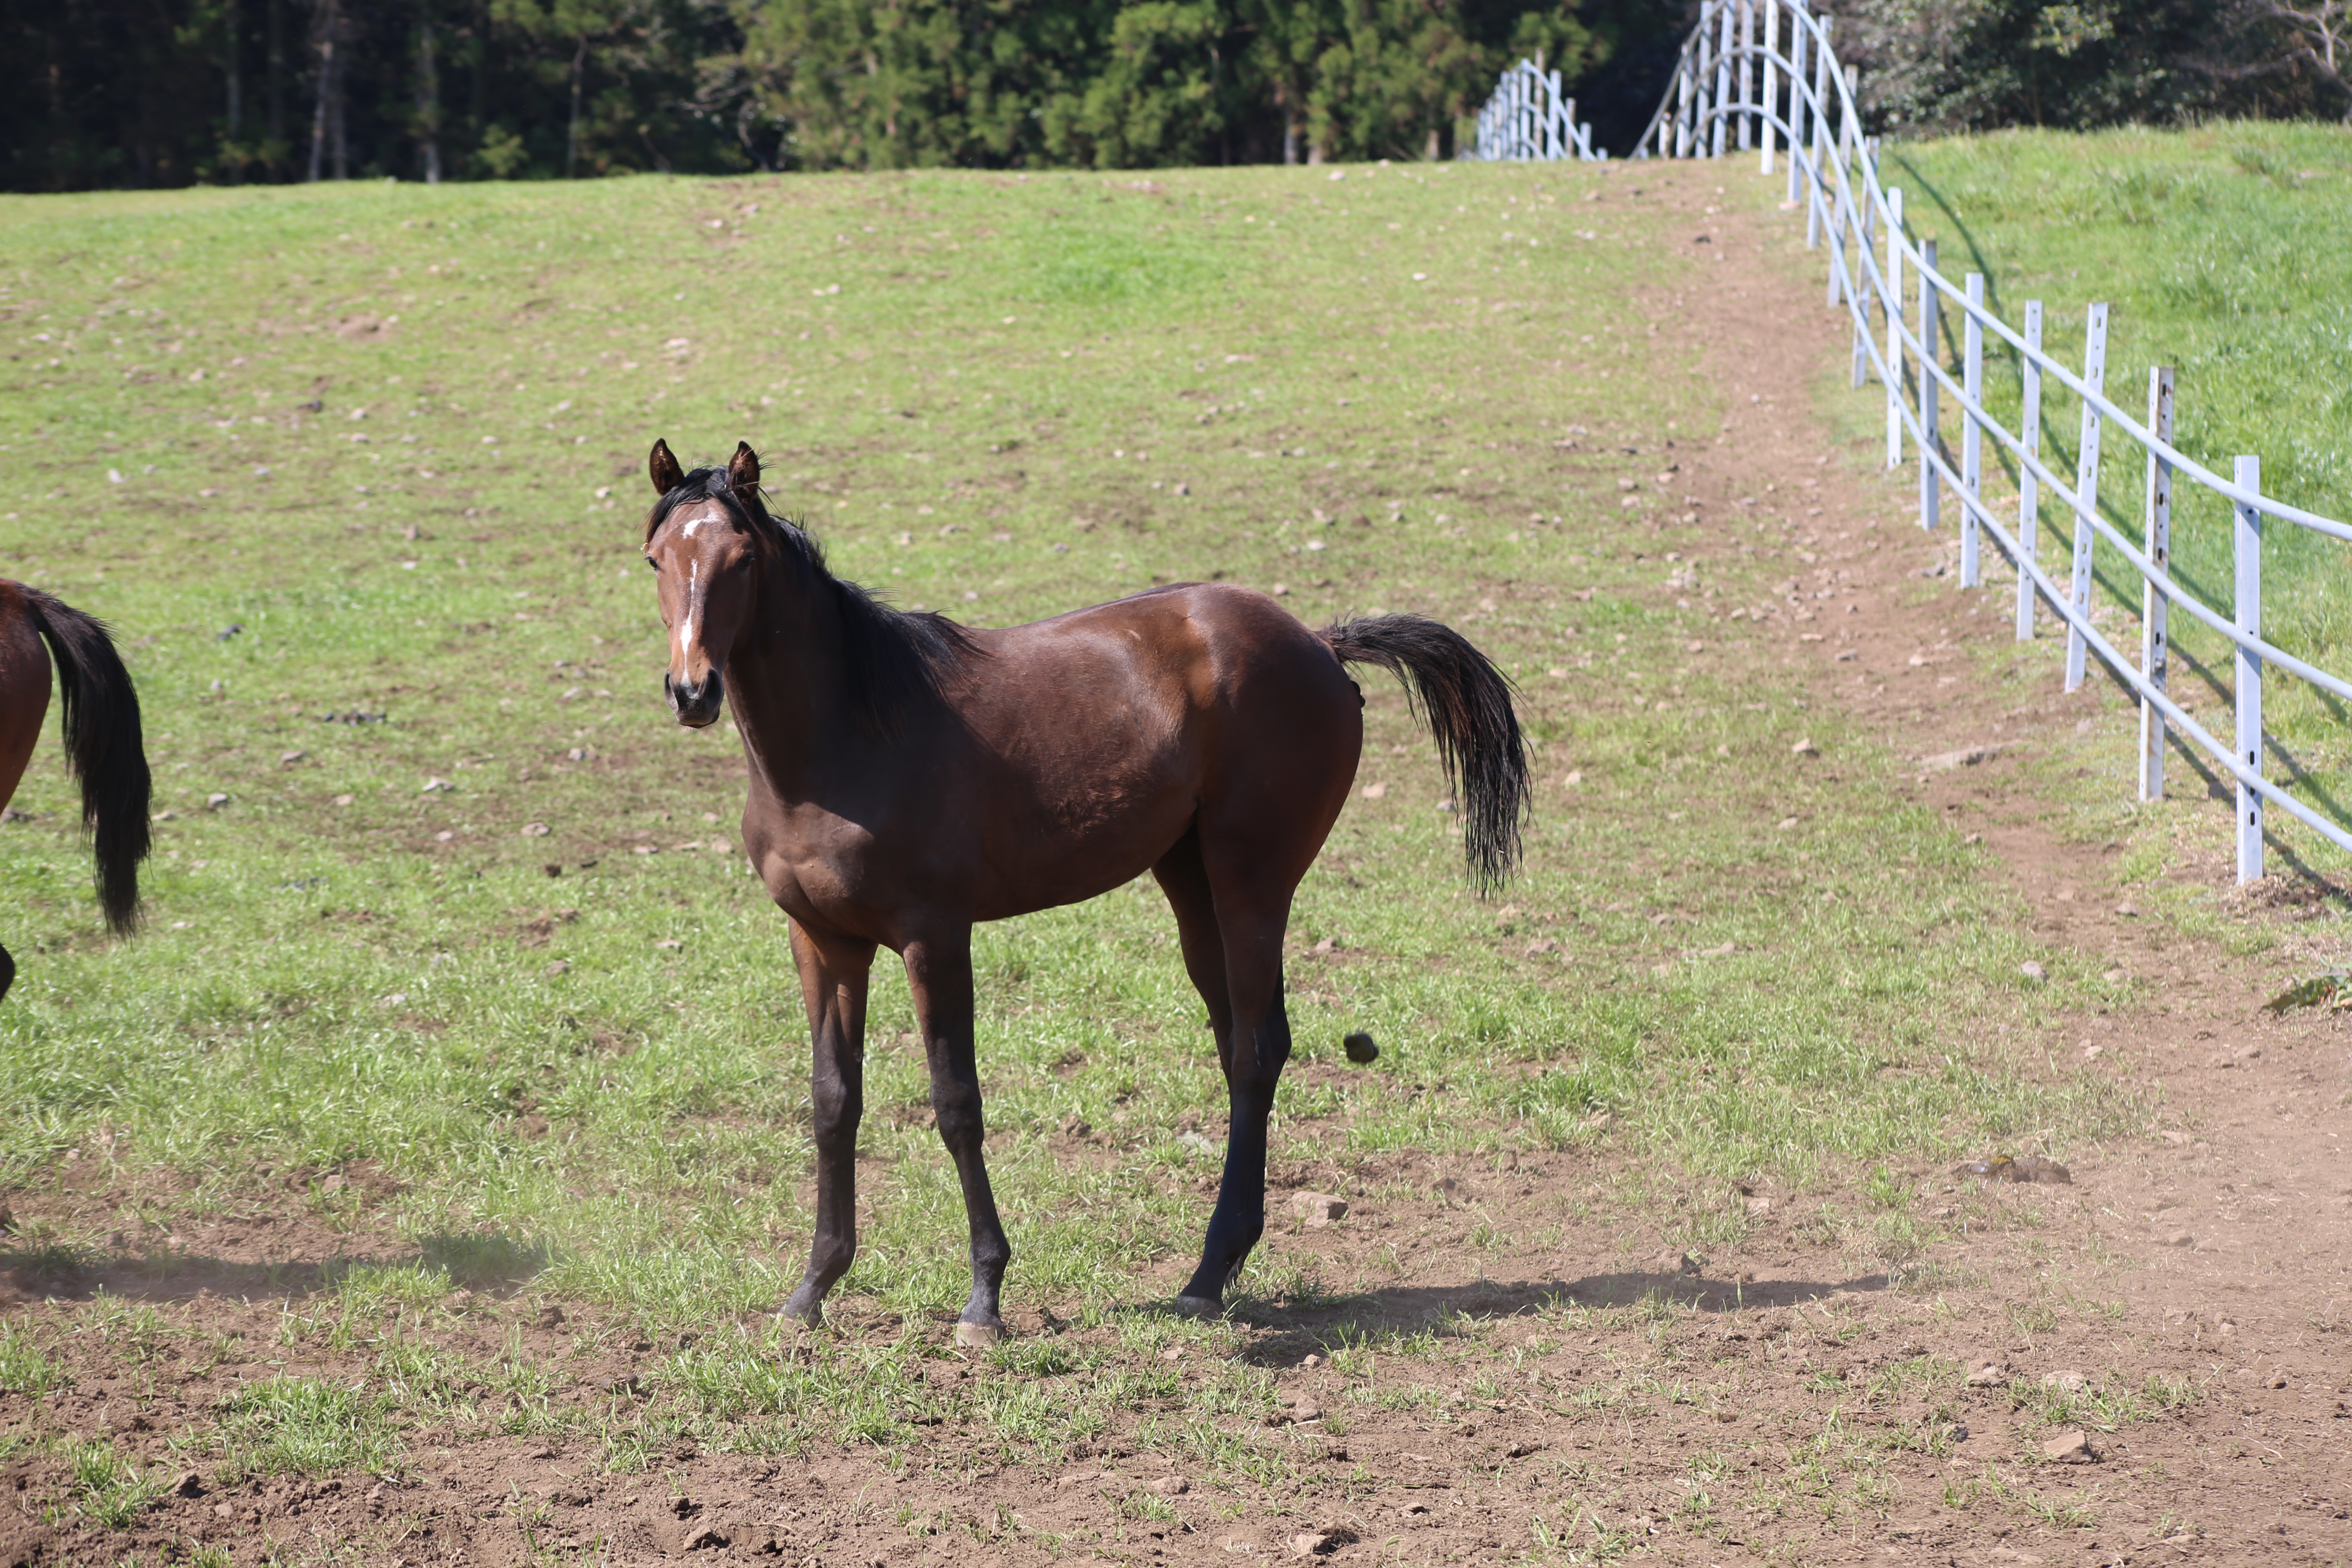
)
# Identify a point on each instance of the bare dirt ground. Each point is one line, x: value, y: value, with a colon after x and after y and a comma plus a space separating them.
x: 2181, y: 1304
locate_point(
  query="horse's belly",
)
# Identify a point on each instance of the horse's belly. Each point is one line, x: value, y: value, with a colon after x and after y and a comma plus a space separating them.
x: 1063, y: 850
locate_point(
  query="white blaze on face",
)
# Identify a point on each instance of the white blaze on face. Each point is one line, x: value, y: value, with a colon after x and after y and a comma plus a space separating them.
x: 693, y: 602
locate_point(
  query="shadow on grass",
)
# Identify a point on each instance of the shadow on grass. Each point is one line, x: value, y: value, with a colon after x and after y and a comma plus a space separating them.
x: 62, y: 1271
x: 1413, y: 1308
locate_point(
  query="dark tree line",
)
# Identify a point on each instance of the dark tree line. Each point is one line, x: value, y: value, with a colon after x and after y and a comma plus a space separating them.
x: 172, y: 92
x: 168, y: 93
x: 1976, y: 65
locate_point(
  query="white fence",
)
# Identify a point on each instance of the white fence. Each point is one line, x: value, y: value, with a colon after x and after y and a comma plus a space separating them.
x: 1527, y: 118
x: 1761, y: 74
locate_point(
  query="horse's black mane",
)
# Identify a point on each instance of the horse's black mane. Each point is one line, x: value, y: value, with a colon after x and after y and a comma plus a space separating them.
x: 893, y: 657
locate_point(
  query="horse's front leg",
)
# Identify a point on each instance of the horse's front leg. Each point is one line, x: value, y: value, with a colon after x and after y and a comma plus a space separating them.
x: 939, y: 973
x: 833, y: 984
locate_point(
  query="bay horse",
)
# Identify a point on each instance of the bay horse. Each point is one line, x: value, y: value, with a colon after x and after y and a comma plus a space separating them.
x: 911, y: 776
x: 103, y: 746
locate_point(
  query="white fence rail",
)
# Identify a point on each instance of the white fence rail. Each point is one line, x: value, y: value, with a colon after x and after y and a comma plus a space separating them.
x: 1762, y: 74
x: 1529, y: 118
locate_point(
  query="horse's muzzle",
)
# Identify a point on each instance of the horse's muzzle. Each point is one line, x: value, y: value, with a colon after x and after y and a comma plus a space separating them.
x: 696, y: 707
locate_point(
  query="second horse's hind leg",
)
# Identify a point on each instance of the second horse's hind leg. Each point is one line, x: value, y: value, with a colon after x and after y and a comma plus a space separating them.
x: 7, y: 973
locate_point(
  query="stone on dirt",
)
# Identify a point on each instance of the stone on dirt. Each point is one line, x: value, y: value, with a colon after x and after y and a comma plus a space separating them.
x: 1319, y: 1209
x: 1321, y: 1542
x: 1676, y: 1262
x: 2034, y: 972
x: 1991, y: 1374
x: 706, y: 1539
x: 2072, y: 1446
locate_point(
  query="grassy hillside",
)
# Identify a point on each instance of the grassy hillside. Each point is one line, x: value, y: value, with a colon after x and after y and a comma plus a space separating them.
x: 2221, y: 252
x: 449, y: 936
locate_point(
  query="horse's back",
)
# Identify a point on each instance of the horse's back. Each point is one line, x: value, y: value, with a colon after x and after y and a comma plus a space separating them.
x: 1247, y: 708
x: 1184, y: 656
x: 1105, y: 734
x: 23, y: 685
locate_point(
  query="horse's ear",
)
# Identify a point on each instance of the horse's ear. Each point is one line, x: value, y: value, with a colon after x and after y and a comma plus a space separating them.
x: 743, y: 470
x: 667, y: 476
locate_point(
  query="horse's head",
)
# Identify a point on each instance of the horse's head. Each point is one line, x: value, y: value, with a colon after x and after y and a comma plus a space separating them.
x: 701, y: 541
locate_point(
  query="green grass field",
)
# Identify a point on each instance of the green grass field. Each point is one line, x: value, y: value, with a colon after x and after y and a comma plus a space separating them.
x: 484, y: 973
x: 2219, y: 248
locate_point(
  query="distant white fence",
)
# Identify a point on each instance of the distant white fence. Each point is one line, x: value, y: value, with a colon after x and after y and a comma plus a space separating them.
x: 1529, y: 117
x: 1762, y: 72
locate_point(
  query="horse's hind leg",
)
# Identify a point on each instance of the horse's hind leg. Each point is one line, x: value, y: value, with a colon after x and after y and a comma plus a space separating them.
x: 833, y: 984
x: 938, y: 974
x: 1252, y: 1048
x: 7, y: 973
x: 1185, y: 880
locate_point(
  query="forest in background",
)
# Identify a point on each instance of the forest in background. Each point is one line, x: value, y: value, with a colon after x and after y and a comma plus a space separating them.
x: 131, y: 93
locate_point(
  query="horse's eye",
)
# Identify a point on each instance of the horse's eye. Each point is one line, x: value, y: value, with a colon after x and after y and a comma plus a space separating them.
x: 652, y: 562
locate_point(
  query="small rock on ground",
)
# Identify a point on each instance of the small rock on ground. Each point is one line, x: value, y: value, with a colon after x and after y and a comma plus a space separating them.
x: 2072, y: 1446
x: 1319, y: 1209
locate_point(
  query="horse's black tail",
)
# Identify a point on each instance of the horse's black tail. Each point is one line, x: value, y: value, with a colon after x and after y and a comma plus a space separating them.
x: 1468, y: 702
x: 103, y: 748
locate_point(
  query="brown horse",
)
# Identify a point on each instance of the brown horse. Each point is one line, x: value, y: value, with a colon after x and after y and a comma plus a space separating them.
x: 911, y: 776
x: 101, y: 735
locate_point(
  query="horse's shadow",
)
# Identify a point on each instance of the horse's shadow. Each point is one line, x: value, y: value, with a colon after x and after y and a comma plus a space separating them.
x: 1300, y: 1326
x: 66, y: 1273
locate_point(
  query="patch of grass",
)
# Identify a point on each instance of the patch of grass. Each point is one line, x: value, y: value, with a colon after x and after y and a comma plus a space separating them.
x: 24, y: 1367
x: 108, y: 1487
x: 303, y: 1426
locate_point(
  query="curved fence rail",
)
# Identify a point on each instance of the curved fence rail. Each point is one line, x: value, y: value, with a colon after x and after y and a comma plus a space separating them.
x: 1763, y: 75
x: 1530, y: 118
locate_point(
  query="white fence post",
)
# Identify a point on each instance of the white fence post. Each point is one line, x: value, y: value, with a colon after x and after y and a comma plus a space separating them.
x: 1746, y: 60
x: 1771, y: 98
x: 2029, y: 487
x: 1971, y: 430
x: 2247, y: 539
x: 2086, y: 491
x: 1819, y: 206
x: 2155, y: 653
x: 1722, y: 84
x: 1893, y: 305
x: 1856, y: 287
x: 1931, y: 483
x: 1702, y: 63
x: 1683, y: 108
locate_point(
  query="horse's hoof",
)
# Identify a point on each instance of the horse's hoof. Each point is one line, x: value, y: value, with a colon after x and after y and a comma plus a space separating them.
x: 978, y: 1336
x: 808, y: 1317
x: 1200, y: 1307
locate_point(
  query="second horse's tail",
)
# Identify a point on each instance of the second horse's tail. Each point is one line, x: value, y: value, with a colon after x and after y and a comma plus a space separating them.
x: 1468, y: 702
x: 103, y: 748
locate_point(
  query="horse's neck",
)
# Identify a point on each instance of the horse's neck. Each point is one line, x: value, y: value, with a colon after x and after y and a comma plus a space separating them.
x: 787, y: 680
